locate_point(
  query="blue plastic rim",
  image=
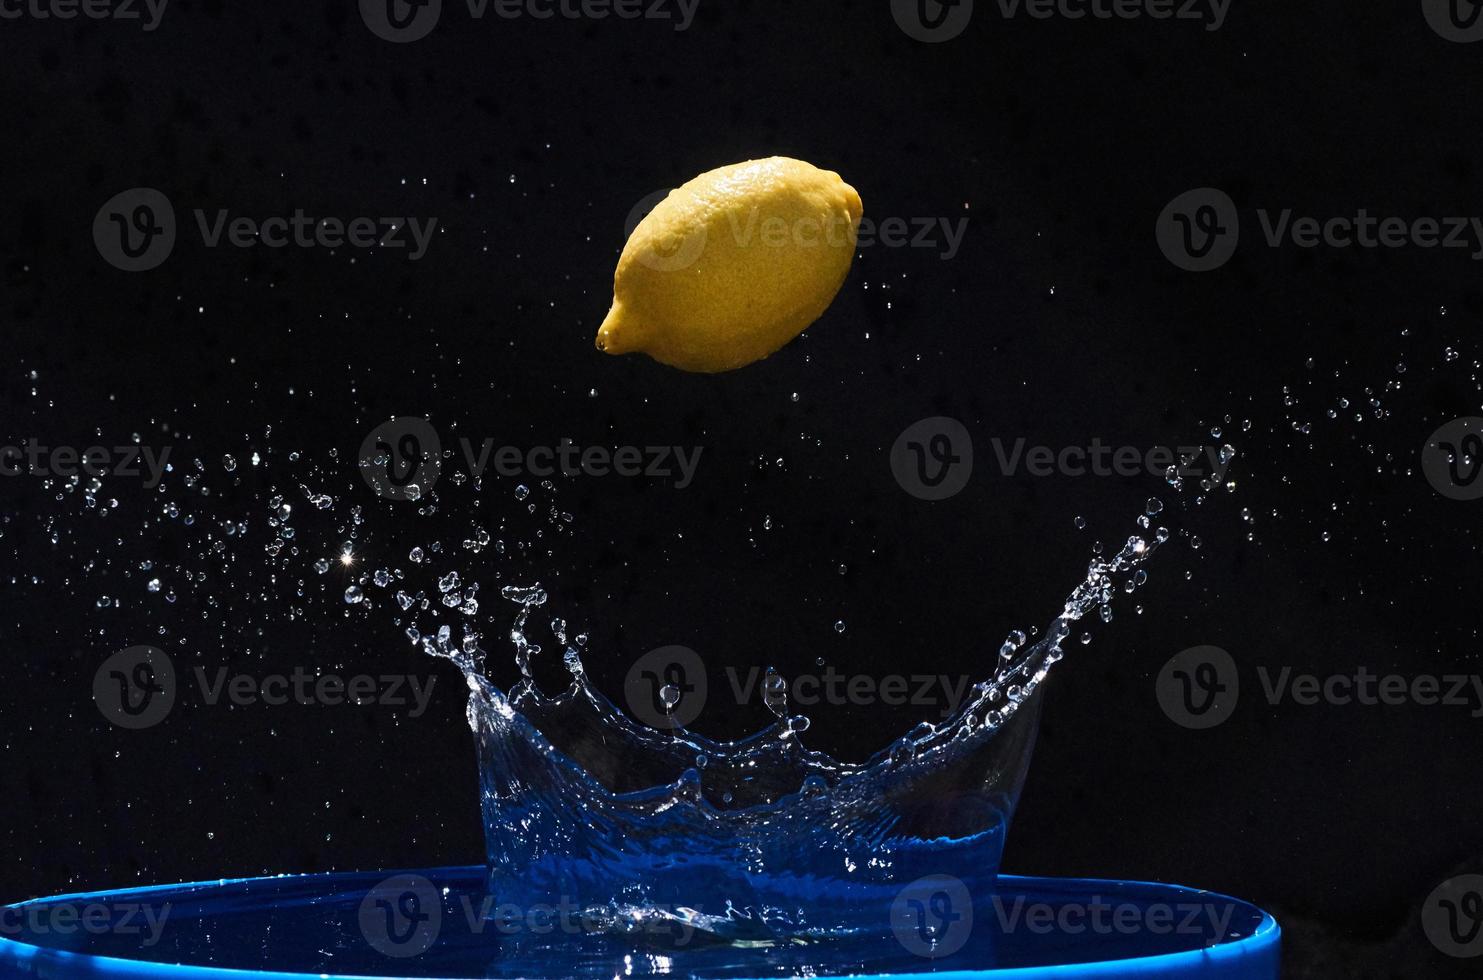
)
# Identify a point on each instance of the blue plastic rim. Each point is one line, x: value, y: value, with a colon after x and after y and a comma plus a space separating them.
x: 329, y: 926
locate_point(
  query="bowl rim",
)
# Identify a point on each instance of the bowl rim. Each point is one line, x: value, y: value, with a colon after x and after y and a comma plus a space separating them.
x: 28, y: 959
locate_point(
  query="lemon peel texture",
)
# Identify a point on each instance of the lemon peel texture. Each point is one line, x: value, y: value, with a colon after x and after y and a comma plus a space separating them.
x: 732, y: 265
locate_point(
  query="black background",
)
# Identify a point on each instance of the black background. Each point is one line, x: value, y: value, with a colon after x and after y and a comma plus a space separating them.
x: 1058, y: 321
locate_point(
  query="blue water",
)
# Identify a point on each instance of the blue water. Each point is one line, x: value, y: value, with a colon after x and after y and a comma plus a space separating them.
x: 334, y: 924
x: 677, y: 853
x: 759, y: 842
x: 740, y: 851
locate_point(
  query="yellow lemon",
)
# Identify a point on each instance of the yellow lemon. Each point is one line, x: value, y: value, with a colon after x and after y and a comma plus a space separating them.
x: 732, y: 265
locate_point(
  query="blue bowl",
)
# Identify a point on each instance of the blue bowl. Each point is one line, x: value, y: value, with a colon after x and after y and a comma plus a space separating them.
x: 440, y: 923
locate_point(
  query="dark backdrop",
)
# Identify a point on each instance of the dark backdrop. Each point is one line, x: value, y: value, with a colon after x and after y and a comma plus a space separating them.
x: 1059, y: 320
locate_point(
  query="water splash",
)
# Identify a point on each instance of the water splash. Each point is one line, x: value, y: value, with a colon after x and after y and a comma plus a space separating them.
x: 760, y: 839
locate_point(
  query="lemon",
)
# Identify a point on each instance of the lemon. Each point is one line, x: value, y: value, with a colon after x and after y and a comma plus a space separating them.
x: 732, y: 265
